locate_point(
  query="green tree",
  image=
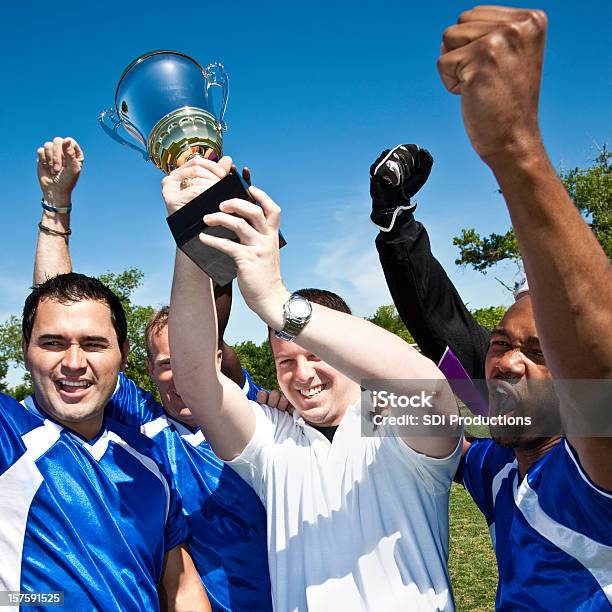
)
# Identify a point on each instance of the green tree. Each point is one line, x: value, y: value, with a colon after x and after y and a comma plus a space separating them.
x: 591, y: 190
x: 11, y: 355
x: 258, y: 360
x: 388, y: 318
x: 489, y: 317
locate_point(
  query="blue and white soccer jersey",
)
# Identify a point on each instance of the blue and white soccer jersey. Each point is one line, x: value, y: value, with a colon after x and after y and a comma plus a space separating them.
x: 551, y: 532
x: 249, y: 387
x: 91, y: 518
x: 226, y: 519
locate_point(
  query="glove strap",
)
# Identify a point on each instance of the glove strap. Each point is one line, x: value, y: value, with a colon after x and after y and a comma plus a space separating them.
x: 410, y: 206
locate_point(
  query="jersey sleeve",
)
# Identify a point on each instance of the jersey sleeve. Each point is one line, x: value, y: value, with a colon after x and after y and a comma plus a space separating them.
x: 250, y: 388
x: 436, y: 473
x: 132, y: 406
x: 11, y: 444
x: 252, y: 463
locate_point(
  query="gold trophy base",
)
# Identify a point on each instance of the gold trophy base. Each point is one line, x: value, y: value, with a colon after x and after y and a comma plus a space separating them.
x: 183, y: 133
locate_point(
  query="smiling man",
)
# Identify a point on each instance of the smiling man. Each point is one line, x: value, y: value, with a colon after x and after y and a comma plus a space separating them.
x: 87, y: 506
x: 355, y: 522
x: 310, y: 384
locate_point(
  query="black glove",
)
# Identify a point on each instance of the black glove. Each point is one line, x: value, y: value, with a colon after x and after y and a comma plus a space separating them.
x: 395, y: 177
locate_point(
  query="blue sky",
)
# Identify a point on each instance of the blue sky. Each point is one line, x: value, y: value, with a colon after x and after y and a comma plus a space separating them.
x: 318, y: 89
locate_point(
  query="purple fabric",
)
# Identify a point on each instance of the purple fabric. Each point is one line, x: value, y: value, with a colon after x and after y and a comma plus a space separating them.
x: 461, y: 383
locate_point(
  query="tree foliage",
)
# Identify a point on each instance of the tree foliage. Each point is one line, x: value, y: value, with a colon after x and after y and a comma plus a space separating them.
x: 259, y: 361
x: 489, y: 317
x: 484, y: 252
x: 388, y: 318
x: 591, y: 190
x: 11, y: 355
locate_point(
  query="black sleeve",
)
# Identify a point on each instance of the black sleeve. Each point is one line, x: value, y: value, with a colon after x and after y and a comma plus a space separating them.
x: 427, y: 300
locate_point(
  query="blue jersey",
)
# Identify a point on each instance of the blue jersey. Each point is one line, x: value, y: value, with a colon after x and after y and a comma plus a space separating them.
x: 92, y: 518
x: 551, y: 532
x: 227, y: 520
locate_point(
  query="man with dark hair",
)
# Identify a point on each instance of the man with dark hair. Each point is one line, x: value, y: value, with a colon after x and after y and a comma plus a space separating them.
x: 546, y: 498
x: 325, y: 298
x: 75, y: 486
x: 354, y: 522
x: 226, y: 520
x: 69, y: 288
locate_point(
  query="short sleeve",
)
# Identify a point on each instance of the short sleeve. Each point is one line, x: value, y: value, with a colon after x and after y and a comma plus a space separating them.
x: 131, y: 405
x: 11, y: 444
x: 251, y: 465
x: 437, y: 473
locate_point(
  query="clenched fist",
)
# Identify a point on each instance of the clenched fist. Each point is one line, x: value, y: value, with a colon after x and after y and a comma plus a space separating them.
x: 493, y: 59
x: 59, y: 166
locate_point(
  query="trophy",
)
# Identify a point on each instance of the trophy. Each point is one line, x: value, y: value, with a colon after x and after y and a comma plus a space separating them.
x: 164, y: 102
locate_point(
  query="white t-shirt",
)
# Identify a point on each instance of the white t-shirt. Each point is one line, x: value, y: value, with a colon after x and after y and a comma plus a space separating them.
x: 357, y: 524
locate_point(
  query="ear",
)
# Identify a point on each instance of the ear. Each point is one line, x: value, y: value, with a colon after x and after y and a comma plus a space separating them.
x: 125, y: 351
x: 24, y: 350
x: 219, y: 355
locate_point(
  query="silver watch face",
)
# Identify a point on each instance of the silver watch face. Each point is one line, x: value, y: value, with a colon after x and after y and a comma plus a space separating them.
x: 299, y: 307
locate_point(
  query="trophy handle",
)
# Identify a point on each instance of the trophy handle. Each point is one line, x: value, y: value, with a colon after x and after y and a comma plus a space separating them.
x: 216, y: 76
x: 110, y: 123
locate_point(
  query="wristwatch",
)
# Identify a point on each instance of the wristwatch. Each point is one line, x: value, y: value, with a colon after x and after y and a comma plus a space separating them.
x: 297, y: 314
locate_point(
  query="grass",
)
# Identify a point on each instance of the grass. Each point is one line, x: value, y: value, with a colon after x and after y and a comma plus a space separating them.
x: 472, y: 564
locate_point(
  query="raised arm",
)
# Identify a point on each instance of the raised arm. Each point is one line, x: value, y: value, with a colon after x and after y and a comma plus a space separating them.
x: 218, y: 404
x: 493, y: 57
x: 425, y: 298
x: 59, y: 166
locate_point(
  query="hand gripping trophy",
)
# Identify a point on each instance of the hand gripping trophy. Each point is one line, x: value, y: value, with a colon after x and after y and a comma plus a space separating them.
x: 164, y: 102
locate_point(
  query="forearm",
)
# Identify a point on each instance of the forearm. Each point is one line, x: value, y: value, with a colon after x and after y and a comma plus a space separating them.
x: 52, y: 255
x: 426, y: 299
x: 193, y: 334
x: 359, y: 349
x: 217, y: 403
x: 570, y: 277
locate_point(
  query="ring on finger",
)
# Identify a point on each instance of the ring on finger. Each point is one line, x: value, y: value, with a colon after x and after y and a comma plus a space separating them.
x: 185, y: 183
x: 58, y: 176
